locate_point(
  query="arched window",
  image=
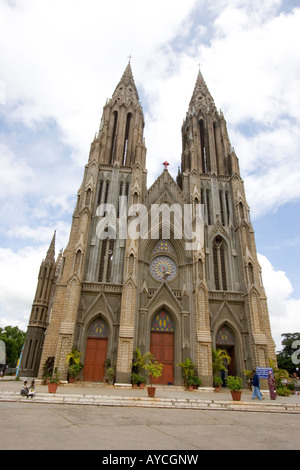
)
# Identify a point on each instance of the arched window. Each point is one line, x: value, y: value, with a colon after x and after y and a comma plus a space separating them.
x: 125, y: 150
x: 222, y: 207
x: 100, y: 192
x: 208, y: 207
x: 219, y: 263
x: 202, y: 147
x: 250, y: 273
x: 114, y: 138
x: 88, y: 197
x: 241, y: 211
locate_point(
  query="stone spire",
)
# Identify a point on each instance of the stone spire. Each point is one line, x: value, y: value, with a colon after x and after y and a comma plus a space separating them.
x: 126, y: 90
x: 50, y: 257
x: 201, y: 99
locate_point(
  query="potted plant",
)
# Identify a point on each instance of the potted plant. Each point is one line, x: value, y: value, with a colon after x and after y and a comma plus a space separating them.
x: 53, y: 382
x: 234, y: 383
x: 155, y: 370
x: 135, y: 380
x: 220, y: 359
x: 110, y: 373
x: 138, y: 367
x: 75, y: 366
x: 218, y: 382
x: 48, y: 369
x: 142, y: 381
x: 188, y: 368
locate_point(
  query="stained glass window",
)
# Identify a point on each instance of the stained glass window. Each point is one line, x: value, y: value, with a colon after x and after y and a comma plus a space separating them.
x: 163, y: 268
x: 225, y: 337
x: 163, y: 246
x: 162, y: 322
x: 98, y: 329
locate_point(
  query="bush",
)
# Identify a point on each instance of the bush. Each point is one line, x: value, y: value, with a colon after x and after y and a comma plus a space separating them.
x: 234, y: 383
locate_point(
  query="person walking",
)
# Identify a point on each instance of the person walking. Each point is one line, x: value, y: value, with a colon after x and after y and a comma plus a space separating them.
x: 256, y: 387
x: 271, y: 383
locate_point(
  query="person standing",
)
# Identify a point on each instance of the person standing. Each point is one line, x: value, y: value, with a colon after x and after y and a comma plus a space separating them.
x: 271, y: 383
x: 256, y: 387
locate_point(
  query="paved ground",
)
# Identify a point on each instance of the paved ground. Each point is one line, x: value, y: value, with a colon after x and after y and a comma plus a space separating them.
x: 33, y: 425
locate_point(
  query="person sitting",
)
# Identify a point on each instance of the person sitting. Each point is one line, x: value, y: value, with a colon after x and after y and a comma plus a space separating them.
x: 31, y: 391
x: 24, y: 389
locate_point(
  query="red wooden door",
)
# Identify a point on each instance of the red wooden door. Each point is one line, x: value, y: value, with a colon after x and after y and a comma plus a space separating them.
x: 95, y: 356
x: 162, y: 347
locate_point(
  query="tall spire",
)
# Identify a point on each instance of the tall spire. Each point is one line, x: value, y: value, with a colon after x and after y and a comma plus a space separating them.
x: 126, y: 87
x: 201, y: 99
x: 51, y: 250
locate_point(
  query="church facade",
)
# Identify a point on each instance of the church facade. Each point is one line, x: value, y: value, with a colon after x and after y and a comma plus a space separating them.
x: 132, y: 274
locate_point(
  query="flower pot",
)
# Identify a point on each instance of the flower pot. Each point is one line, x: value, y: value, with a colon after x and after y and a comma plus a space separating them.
x: 236, y: 395
x: 151, y: 391
x: 52, y: 387
x: 217, y: 389
x: 142, y: 385
x: 71, y: 380
x: 135, y: 386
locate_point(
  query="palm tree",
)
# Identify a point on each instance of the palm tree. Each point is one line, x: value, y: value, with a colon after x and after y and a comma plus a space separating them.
x: 220, y: 359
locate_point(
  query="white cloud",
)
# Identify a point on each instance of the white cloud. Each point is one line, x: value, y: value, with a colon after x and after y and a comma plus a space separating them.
x: 18, y: 279
x: 283, y: 308
x: 59, y: 61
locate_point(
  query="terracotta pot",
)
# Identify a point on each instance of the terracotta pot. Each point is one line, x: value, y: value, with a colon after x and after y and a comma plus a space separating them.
x: 151, y: 391
x: 236, y: 396
x: 217, y: 389
x: 142, y: 385
x: 71, y: 380
x: 52, y: 387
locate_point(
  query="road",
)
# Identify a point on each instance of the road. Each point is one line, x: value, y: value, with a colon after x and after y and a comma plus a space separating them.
x: 26, y: 426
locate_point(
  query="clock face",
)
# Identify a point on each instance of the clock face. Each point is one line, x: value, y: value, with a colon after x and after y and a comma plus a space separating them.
x: 163, y: 268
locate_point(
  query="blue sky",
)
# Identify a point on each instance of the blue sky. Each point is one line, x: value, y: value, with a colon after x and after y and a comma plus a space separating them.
x: 61, y: 60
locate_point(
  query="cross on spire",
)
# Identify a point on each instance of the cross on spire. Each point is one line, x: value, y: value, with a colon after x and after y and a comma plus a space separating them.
x: 166, y: 164
x: 130, y: 57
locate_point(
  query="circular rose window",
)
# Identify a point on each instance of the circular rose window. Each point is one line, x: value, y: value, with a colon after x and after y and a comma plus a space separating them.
x: 163, y: 268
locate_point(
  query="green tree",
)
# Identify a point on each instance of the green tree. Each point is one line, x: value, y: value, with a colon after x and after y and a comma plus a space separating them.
x: 14, y: 339
x: 284, y: 357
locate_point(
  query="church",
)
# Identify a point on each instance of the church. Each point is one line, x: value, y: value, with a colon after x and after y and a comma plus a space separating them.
x: 133, y: 276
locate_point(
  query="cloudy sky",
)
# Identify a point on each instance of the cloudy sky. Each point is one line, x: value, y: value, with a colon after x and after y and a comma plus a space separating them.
x: 59, y: 62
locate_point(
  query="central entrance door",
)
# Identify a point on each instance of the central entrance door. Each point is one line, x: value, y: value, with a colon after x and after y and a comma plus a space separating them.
x: 96, y: 352
x: 95, y: 356
x: 162, y: 346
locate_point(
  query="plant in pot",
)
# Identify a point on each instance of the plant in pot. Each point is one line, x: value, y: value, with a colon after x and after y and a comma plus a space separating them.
x: 220, y: 359
x: 48, y: 369
x: 155, y: 370
x: 75, y: 366
x: 110, y: 373
x: 53, y: 382
x: 188, y: 368
x: 218, y: 382
x: 135, y: 378
x: 234, y: 383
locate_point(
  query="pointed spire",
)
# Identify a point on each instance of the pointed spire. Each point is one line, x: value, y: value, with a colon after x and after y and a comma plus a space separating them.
x: 51, y: 250
x: 126, y: 86
x: 201, y: 98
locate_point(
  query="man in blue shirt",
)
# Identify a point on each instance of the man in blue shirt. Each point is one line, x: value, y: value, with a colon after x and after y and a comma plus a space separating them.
x: 256, y: 387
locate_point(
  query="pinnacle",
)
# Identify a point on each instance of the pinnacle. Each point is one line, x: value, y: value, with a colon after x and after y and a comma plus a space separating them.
x: 126, y: 80
x: 51, y: 250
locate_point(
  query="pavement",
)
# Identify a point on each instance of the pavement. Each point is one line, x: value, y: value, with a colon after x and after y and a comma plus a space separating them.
x: 169, y: 397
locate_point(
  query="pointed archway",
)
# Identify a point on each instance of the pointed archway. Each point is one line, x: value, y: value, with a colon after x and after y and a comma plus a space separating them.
x: 96, y: 351
x: 225, y: 339
x: 162, y: 345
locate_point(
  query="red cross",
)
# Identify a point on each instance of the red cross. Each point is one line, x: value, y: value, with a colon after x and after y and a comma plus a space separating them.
x: 166, y: 165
